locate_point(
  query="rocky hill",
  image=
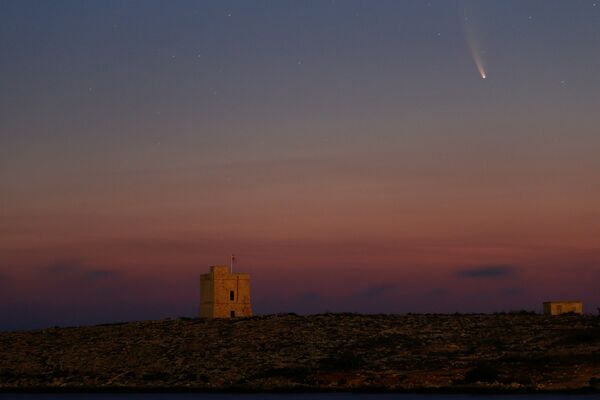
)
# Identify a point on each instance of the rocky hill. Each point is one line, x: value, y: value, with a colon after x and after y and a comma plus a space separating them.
x: 320, y: 352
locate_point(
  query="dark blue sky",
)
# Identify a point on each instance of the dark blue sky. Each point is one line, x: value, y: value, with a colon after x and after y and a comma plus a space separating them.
x: 141, y: 141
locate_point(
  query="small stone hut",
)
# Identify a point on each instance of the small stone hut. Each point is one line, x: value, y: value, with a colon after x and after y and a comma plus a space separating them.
x: 563, y: 307
x: 224, y: 294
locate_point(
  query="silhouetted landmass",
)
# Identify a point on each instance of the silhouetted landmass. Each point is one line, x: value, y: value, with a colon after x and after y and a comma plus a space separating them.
x: 503, y: 352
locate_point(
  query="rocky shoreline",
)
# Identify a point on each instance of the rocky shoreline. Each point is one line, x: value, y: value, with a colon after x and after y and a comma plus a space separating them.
x: 514, y: 353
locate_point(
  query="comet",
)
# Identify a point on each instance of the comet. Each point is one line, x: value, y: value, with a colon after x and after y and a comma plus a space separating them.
x: 476, y: 54
x: 473, y: 43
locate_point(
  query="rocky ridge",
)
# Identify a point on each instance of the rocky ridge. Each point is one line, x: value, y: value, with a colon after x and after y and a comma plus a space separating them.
x: 504, y: 352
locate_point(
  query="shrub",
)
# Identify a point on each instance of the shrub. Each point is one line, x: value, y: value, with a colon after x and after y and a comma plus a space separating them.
x: 522, y: 312
x: 108, y: 324
x: 155, y: 376
x: 589, y: 335
x: 341, y: 362
x: 520, y: 379
x: 391, y: 341
x: 481, y: 373
x: 294, y: 373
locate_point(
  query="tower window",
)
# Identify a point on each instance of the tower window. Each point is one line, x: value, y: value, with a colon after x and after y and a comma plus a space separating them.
x: 232, y: 314
x: 231, y: 295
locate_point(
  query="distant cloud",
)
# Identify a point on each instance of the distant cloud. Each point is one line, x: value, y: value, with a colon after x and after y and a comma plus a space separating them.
x: 437, y: 292
x: 377, y: 290
x: 512, y: 291
x: 487, y: 272
x: 76, y: 269
x: 307, y: 302
x: 100, y: 273
x: 62, y: 267
x: 310, y: 297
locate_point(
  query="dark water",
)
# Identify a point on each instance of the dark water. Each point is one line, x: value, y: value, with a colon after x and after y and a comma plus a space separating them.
x: 304, y: 396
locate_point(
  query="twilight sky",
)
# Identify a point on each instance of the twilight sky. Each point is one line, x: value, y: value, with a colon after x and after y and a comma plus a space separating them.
x: 348, y: 152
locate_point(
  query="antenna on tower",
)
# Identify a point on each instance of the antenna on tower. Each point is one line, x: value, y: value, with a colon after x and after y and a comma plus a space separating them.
x: 231, y: 263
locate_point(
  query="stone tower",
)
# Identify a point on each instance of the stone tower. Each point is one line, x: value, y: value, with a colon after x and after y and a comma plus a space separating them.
x: 224, y: 294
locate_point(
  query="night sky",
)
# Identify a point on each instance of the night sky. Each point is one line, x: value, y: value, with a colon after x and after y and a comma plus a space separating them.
x: 348, y: 152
